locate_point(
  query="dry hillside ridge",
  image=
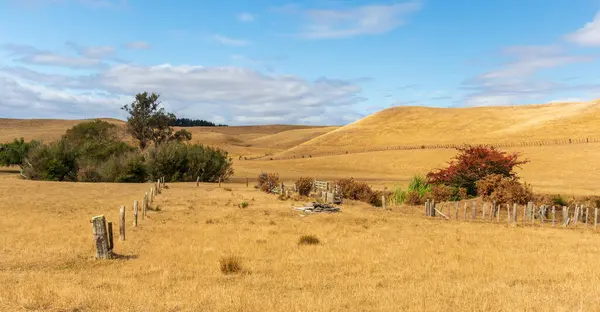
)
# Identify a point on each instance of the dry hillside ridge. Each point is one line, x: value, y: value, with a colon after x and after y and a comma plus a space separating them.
x: 415, y: 125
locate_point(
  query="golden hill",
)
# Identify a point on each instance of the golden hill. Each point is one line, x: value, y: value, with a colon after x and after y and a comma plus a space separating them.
x: 482, y: 125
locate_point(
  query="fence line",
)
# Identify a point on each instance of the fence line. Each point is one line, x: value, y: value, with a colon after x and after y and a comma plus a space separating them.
x: 430, y: 146
x: 532, y: 214
x: 103, y: 230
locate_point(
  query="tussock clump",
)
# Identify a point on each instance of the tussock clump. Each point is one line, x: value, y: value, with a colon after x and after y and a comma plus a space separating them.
x: 304, y: 185
x: 231, y: 265
x: 308, y: 240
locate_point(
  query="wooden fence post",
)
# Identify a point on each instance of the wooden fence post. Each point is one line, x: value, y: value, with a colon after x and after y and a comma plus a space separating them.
x: 122, y: 223
x: 515, y: 208
x: 474, y: 212
x: 553, y: 216
x: 111, y: 242
x: 524, y: 212
x: 100, y: 237
x: 595, y: 218
x: 382, y: 201
x: 457, y: 207
x: 144, y: 205
x: 198, y: 181
x: 508, y: 214
x: 483, y: 211
x: 427, y: 208
x: 465, y: 210
x: 432, y: 208
x: 246, y: 182
x: 135, y: 213
x: 587, y: 215
x: 498, y: 208
x: 219, y: 181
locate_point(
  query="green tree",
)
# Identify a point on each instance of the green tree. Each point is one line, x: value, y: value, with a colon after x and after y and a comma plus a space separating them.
x: 14, y: 153
x: 95, y: 141
x: 147, y: 121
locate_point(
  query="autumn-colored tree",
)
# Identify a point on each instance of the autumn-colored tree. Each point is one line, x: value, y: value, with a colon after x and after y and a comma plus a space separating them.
x: 474, y: 163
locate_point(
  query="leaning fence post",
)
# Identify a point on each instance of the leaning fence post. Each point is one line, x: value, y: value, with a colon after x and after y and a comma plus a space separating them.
x: 135, y: 213
x: 122, y: 223
x: 100, y: 237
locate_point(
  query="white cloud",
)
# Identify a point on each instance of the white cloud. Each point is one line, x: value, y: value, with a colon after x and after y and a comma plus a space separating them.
x: 515, y: 82
x: 31, y: 55
x: 364, y: 20
x: 98, y: 52
x: 231, y: 94
x: 245, y: 17
x: 230, y: 41
x: 588, y: 35
x: 137, y: 45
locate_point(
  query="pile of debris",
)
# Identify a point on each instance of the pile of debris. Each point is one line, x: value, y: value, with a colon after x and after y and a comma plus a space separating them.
x: 318, y: 207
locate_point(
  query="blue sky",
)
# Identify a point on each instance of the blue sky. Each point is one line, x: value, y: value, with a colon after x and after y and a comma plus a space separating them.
x: 305, y: 62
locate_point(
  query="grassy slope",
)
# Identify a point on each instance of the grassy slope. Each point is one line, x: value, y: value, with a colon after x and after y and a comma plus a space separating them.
x: 423, y: 125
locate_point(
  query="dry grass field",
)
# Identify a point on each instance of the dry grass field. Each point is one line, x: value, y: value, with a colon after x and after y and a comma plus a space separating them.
x: 367, y: 260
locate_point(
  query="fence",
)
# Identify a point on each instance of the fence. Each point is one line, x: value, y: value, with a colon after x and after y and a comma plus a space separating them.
x: 430, y: 146
x: 526, y: 215
x: 103, y: 230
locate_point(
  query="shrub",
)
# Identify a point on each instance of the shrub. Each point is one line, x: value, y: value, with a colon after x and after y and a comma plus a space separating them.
x: 502, y: 190
x: 413, y: 198
x: 124, y: 168
x: 474, y: 163
x: 95, y: 142
x: 267, y: 182
x: 304, y: 185
x: 89, y: 174
x: 54, y: 162
x: 559, y: 200
x: 14, y: 153
x: 230, y: 265
x: 415, y: 194
x: 244, y: 204
x: 177, y: 161
x: 441, y: 193
x: 308, y: 240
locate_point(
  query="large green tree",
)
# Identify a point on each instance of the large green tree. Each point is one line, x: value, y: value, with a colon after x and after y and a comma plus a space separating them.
x: 148, y: 121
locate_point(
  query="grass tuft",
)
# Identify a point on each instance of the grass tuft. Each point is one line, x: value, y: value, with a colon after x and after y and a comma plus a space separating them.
x: 308, y: 240
x: 231, y: 265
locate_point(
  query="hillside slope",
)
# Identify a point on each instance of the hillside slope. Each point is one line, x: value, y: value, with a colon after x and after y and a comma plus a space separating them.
x: 425, y: 125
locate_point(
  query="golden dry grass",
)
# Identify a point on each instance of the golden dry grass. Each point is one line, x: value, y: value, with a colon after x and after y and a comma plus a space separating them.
x: 426, y: 125
x: 367, y: 260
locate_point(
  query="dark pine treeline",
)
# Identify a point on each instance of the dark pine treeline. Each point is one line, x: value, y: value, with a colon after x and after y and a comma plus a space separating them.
x: 186, y: 122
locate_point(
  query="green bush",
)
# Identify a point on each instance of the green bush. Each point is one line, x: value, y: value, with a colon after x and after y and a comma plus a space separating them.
x: 177, y: 161
x: 415, y: 194
x: 55, y: 162
x: 14, y: 153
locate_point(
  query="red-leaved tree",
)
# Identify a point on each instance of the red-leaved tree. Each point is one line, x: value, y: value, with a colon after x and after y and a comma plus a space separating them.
x: 474, y: 163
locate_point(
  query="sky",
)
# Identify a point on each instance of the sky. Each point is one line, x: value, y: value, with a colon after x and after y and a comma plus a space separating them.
x: 326, y: 62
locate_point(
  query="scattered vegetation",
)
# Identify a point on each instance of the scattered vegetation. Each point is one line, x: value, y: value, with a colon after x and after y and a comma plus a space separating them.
x: 230, y: 265
x: 95, y: 152
x: 308, y: 240
x: 304, y: 185
x: 472, y: 164
x: 559, y: 200
x: 244, y: 204
x: 360, y: 191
